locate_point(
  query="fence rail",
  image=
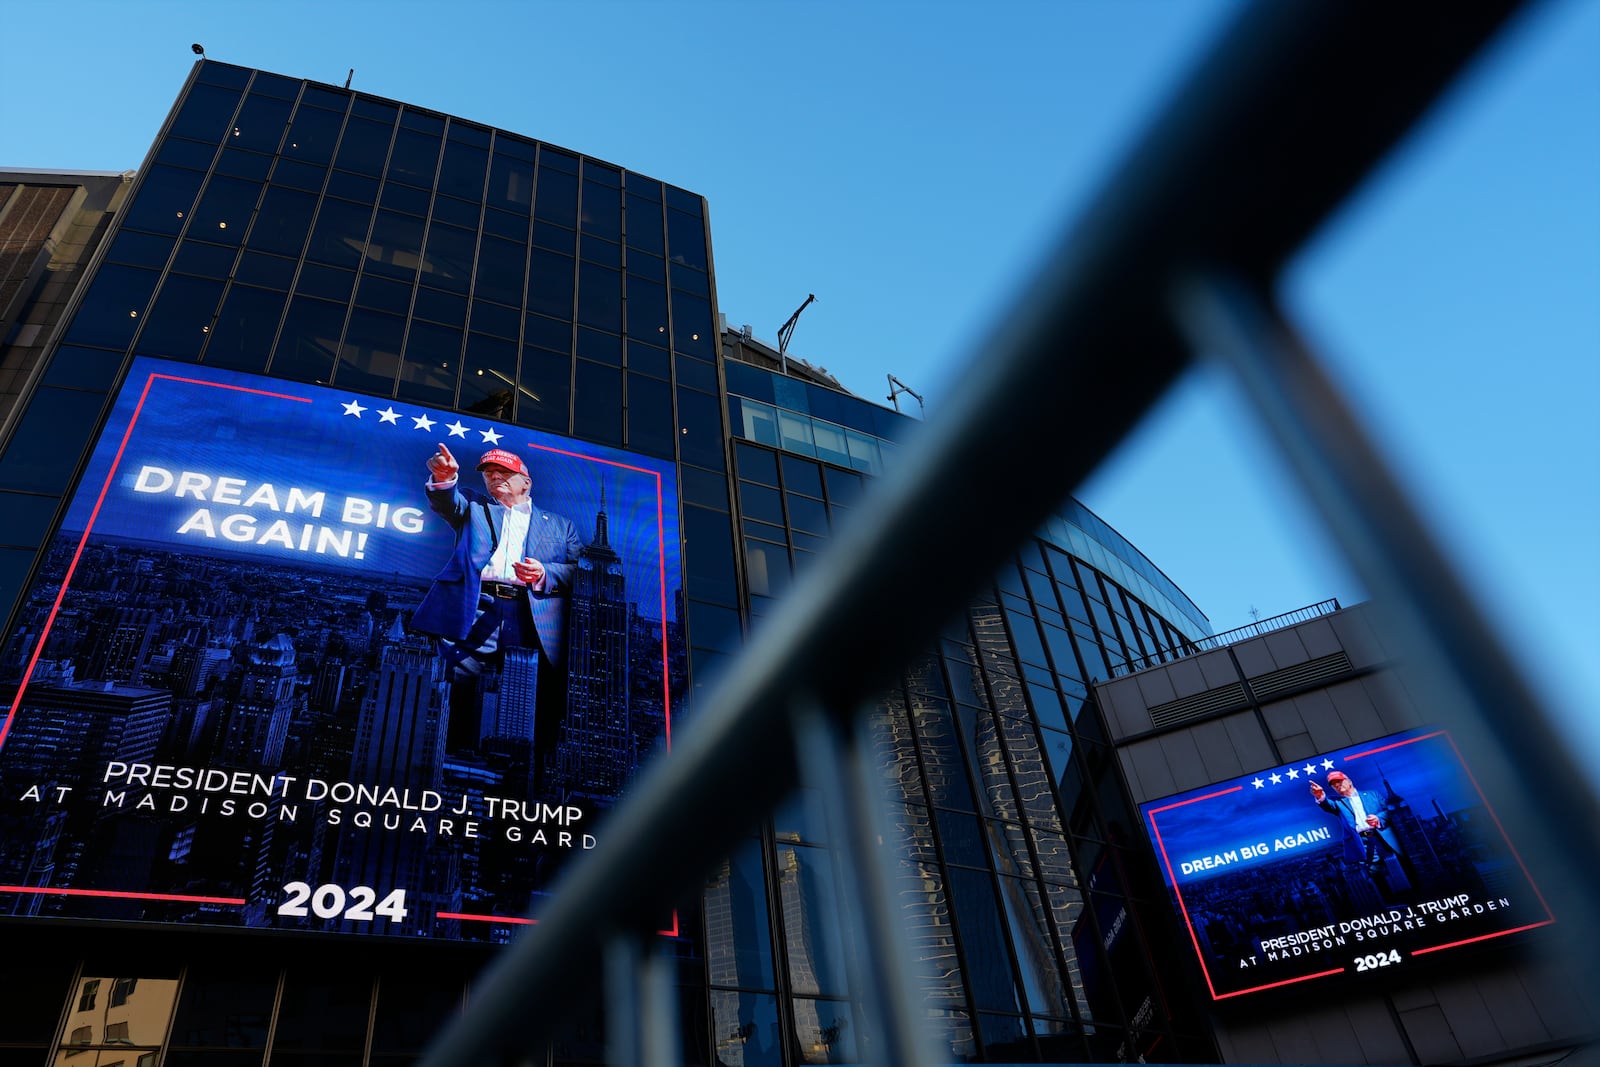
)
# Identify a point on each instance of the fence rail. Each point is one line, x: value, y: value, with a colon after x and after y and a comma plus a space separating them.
x: 1294, y: 106
x: 1228, y: 637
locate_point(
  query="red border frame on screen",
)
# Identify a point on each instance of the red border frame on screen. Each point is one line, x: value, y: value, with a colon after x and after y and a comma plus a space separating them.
x: 1172, y: 879
x: 66, y: 583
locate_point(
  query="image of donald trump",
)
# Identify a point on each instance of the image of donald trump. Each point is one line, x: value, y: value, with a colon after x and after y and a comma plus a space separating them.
x: 505, y: 586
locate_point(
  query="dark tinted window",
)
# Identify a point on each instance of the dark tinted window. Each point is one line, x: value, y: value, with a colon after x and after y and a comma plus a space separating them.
x: 440, y: 307
x: 340, y: 234
x: 259, y: 126
x: 554, y: 334
x: 456, y: 212
x: 686, y: 240
x: 240, y: 164
x: 645, y: 228
x: 305, y: 349
x: 462, y: 171
x: 700, y: 429
x: 413, y: 159
x: 602, y: 211
x: 708, y: 564
x: 691, y: 326
x: 329, y: 283
x: 494, y: 319
x: 181, y: 153
x: 650, y: 416
x: 224, y: 211
x: 110, y: 313
x: 361, y: 188
x: 405, y: 199
x: 363, y: 147
x: 697, y: 374
x: 312, y: 135
x: 83, y: 368
x: 488, y: 375
x: 550, y: 283
x: 206, y: 113
x: 396, y: 246
x: 597, y: 415
x: 181, y: 317
x: 27, y: 518
x: 283, y: 222
x: 140, y: 249
x: 46, y: 445
x: 432, y: 364
x: 273, y: 272
x: 601, y: 347
x: 600, y: 297
x: 548, y: 378
x: 384, y: 295
x: 647, y: 359
x: 165, y: 200
x: 369, y: 356
x: 555, y: 238
x: 647, y: 311
x: 242, y: 336
x: 308, y: 176
x: 501, y: 267
x: 556, y: 198
x: 511, y: 184
x: 447, y: 264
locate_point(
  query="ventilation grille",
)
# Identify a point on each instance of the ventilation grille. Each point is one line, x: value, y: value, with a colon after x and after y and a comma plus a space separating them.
x: 1304, y: 676
x: 1271, y: 686
x: 1199, y: 706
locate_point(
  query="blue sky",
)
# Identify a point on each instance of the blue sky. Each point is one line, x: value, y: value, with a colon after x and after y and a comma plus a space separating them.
x: 910, y: 163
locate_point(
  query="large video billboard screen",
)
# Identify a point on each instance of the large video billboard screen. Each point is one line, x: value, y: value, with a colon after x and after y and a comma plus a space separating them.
x: 302, y: 658
x: 1357, y: 861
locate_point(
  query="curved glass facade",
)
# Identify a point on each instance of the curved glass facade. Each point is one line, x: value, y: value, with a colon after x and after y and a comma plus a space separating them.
x: 315, y: 235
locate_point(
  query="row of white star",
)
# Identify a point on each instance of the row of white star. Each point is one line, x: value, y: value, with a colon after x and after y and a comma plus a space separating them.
x: 1292, y: 773
x: 421, y: 422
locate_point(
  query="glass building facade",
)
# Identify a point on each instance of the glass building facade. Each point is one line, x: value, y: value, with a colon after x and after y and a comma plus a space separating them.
x: 320, y: 236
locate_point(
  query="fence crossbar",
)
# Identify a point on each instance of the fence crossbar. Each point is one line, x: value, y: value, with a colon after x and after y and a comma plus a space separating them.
x: 1262, y: 141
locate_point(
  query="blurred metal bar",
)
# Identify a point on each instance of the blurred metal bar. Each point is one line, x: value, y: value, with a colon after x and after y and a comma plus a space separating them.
x: 1260, y: 144
x: 1444, y: 641
x: 836, y: 761
x: 641, y: 1005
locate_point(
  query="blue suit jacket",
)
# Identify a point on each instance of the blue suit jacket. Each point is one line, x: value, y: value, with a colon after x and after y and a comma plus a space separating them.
x: 451, y: 605
x: 1354, y: 850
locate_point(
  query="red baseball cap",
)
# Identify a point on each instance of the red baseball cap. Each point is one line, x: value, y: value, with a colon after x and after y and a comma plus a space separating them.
x: 1338, y: 776
x: 499, y: 457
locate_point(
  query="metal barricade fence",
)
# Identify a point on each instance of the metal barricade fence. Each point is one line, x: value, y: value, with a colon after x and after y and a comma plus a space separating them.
x: 1173, y: 261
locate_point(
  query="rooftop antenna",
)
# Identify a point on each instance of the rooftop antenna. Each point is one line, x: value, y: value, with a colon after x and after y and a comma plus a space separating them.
x: 896, y: 387
x: 786, y: 331
x: 349, y: 77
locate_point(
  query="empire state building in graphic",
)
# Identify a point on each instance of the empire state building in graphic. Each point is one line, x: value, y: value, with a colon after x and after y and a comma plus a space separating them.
x: 596, y: 752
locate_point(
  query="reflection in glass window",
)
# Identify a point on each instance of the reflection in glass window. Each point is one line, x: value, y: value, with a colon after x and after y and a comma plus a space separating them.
x: 760, y: 422
x: 795, y: 430
x: 811, y: 920
x: 831, y: 443
x: 825, y: 1031
x: 864, y: 454
x: 739, y: 948
x: 744, y: 1029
